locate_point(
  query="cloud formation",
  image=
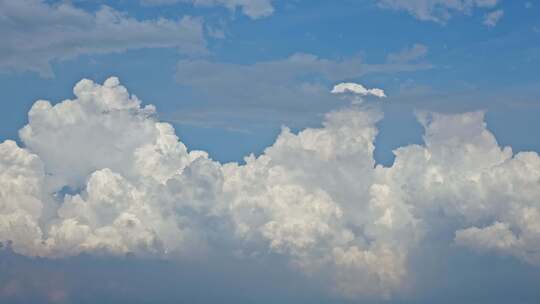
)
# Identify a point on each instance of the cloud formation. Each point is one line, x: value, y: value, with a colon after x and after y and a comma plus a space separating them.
x: 99, y: 174
x: 254, y: 9
x: 491, y: 19
x: 288, y: 89
x: 36, y: 33
x: 357, y: 89
x: 437, y: 10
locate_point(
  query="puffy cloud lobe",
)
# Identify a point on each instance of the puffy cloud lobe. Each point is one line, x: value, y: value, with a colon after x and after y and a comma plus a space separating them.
x: 358, y: 89
x: 99, y: 174
x: 355, y: 92
x: 513, y: 194
x: 101, y: 129
x: 325, y: 221
x: 463, y: 172
x: 21, y: 193
x: 134, y: 175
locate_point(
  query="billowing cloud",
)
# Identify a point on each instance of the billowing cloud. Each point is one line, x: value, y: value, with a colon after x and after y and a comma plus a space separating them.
x: 36, y: 33
x: 436, y: 10
x: 99, y: 174
x: 252, y: 8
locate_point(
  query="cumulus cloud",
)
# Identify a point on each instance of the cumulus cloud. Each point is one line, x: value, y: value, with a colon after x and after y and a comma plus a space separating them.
x: 491, y: 19
x: 99, y: 174
x: 252, y: 8
x: 357, y: 89
x: 36, y: 33
x: 437, y: 10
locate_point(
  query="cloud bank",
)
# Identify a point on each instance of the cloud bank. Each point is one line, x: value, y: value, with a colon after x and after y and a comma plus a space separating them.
x: 100, y: 175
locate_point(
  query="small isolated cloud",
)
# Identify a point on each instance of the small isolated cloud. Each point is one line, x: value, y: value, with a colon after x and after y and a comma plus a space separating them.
x: 35, y: 33
x: 491, y: 19
x: 437, y: 10
x: 254, y: 9
x: 357, y: 91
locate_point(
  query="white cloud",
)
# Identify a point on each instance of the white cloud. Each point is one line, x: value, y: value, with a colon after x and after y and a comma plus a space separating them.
x: 132, y: 169
x: 491, y: 19
x: 463, y: 172
x: 357, y: 89
x: 252, y: 8
x: 497, y: 236
x: 35, y: 33
x: 21, y: 197
x: 436, y: 10
x: 316, y: 198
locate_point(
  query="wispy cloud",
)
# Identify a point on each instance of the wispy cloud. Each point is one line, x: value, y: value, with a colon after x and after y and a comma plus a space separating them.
x: 254, y: 9
x: 437, y: 10
x: 414, y: 53
x: 283, y: 86
x: 35, y: 33
x: 491, y: 19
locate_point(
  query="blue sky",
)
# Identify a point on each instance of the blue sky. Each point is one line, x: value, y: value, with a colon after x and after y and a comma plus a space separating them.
x: 231, y: 76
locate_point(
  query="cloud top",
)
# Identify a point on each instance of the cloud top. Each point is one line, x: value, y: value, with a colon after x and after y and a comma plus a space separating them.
x: 358, y: 89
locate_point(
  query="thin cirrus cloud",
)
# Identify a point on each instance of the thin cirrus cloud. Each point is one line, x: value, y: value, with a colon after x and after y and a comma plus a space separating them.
x: 439, y: 11
x: 414, y: 53
x: 254, y: 9
x: 284, y: 86
x: 83, y: 183
x: 36, y: 33
x: 427, y: 10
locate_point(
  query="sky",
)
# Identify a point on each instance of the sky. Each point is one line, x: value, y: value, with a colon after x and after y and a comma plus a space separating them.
x: 268, y: 151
